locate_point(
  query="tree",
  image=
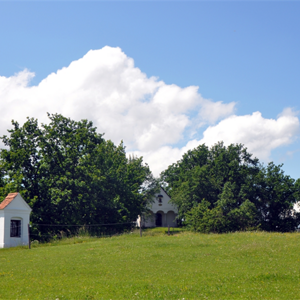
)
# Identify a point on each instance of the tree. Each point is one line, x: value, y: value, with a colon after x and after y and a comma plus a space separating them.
x: 204, y: 219
x: 225, y: 189
x: 69, y: 174
x: 225, y: 215
x: 276, y: 195
x: 203, y: 172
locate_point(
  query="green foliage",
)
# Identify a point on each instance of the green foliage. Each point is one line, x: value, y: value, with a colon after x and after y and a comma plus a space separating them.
x: 69, y: 174
x: 277, y: 194
x: 239, y: 193
x: 221, y: 218
x: 201, y: 218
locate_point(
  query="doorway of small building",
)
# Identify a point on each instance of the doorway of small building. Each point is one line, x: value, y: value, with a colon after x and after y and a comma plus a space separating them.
x: 158, y: 220
x: 171, y: 218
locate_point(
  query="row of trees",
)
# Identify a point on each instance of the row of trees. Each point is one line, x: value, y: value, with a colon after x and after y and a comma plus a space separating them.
x: 69, y: 174
x: 221, y: 189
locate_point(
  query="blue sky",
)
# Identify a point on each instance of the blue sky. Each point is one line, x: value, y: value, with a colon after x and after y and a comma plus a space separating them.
x: 246, y: 53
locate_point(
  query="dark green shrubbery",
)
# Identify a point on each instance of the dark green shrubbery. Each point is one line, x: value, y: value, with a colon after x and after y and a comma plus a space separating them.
x: 224, y: 189
x: 70, y: 175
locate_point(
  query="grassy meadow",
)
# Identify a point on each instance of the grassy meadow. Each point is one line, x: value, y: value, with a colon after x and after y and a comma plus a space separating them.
x: 185, y: 265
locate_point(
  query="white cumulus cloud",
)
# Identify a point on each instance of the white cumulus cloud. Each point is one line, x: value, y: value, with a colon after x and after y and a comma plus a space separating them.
x: 104, y: 86
x: 258, y: 134
x: 150, y: 116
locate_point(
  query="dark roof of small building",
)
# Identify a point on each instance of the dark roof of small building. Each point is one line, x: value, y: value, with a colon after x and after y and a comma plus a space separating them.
x: 165, y: 191
x: 10, y: 197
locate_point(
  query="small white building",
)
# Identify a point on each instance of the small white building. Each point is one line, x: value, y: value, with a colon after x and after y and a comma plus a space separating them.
x: 14, y: 220
x: 162, y: 213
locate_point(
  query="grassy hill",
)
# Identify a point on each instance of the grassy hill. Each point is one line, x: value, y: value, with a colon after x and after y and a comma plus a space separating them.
x: 185, y: 265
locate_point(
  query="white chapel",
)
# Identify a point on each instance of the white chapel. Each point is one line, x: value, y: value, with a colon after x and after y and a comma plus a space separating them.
x: 14, y: 221
x: 162, y: 213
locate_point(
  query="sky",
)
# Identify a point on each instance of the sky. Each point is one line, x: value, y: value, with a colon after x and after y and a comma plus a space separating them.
x: 163, y: 76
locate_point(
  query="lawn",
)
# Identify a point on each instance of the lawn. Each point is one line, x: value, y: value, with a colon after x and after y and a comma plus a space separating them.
x: 185, y: 265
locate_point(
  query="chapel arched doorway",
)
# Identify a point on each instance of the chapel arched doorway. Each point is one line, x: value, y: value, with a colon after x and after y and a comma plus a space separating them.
x: 171, y: 219
x: 158, y: 220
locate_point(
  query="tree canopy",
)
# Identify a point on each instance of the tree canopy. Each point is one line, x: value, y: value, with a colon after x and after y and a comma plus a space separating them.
x: 222, y: 189
x: 69, y: 174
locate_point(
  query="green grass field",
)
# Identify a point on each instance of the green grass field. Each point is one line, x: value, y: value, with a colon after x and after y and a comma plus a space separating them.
x: 185, y: 265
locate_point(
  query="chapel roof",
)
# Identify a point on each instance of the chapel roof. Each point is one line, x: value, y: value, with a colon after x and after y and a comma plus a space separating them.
x: 165, y: 191
x: 10, y: 197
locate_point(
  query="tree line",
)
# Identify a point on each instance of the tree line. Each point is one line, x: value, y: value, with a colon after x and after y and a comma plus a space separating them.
x: 69, y: 174
x: 222, y: 189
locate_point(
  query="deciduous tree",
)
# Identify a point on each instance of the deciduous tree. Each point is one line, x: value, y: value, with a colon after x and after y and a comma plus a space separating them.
x: 69, y: 174
x: 225, y: 189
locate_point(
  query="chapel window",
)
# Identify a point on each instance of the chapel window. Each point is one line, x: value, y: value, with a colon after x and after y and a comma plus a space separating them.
x: 160, y: 199
x: 15, y: 228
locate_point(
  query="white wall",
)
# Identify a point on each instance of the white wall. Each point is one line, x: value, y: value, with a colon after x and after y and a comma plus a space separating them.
x: 171, y: 219
x: 149, y: 220
x: 165, y: 206
x: 15, y: 241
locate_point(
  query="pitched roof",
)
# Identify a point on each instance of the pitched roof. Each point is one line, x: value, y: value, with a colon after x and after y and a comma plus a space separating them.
x: 10, y: 197
x: 165, y: 191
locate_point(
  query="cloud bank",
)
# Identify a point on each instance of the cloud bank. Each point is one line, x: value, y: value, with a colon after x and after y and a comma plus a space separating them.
x: 259, y: 135
x: 150, y: 116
